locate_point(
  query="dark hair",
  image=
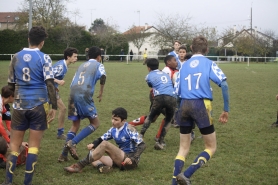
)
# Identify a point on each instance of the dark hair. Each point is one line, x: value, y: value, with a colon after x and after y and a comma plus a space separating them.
x: 182, y: 47
x: 152, y: 63
x: 167, y: 58
x: 120, y: 112
x: 36, y: 35
x: 188, y: 56
x: 199, y: 45
x: 69, y: 52
x: 3, y: 146
x: 177, y: 41
x: 6, y: 92
x: 94, y: 52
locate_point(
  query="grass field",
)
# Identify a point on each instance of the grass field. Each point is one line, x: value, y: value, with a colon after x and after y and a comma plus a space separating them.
x: 247, y: 145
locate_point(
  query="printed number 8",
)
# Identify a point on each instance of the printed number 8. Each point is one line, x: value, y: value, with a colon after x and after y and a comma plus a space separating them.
x: 26, y: 74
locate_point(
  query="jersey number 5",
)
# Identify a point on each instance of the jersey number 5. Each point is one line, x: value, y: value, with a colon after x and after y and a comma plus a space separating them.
x: 188, y: 78
x: 81, y: 77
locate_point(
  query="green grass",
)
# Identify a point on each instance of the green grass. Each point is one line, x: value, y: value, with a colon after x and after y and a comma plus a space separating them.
x: 247, y: 145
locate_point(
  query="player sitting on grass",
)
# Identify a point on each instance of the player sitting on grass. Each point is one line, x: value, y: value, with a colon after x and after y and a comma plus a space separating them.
x: 275, y: 124
x: 125, y: 156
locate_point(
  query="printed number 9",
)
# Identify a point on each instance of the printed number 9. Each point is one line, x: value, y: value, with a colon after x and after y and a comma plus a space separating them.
x: 164, y: 79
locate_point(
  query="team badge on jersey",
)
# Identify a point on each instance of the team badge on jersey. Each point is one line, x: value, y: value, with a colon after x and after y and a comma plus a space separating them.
x: 123, y: 139
x: 194, y: 63
x: 27, y: 57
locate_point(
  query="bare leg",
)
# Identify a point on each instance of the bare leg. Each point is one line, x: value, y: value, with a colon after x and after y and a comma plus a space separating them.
x: 116, y: 154
x: 62, y: 113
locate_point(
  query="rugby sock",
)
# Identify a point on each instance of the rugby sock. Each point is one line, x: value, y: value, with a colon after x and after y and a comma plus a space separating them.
x: 84, y: 133
x: 8, y: 124
x: 60, y: 131
x: 178, y: 165
x: 198, y: 162
x: 160, y: 129
x: 10, y: 167
x: 31, y: 161
x: 138, y: 121
x: 70, y: 136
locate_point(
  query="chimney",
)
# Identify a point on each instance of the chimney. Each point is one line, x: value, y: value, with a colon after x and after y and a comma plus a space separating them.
x: 146, y: 26
x: 234, y: 29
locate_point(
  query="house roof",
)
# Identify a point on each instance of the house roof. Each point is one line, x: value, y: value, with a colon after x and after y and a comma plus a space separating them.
x: 137, y: 29
x: 10, y: 17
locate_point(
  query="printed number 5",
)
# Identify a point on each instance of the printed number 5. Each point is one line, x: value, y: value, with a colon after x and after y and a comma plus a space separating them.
x: 81, y: 76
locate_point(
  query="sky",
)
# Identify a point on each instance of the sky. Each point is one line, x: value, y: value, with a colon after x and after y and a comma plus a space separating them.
x: 221, y: 14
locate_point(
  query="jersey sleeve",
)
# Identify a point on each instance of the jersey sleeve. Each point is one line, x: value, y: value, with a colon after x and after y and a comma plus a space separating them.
x: 11, y: 78
x: 108, y: 135
x: 216, y: 74
x: 47, y: 68
x: 101, y: 69
x: 134, y: 135
x: 148, y: 81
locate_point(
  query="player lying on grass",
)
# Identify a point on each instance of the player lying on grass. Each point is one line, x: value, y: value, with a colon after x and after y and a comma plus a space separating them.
x: 126, y: 155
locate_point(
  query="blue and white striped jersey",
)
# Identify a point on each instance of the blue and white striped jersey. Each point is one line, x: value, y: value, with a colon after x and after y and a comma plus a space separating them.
x: 28, y: 70
x: 60, y: 69
x: 126, y: 137
x: 193, y: 81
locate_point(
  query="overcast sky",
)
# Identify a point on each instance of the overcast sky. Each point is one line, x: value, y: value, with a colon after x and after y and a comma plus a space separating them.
x: 213, y: 13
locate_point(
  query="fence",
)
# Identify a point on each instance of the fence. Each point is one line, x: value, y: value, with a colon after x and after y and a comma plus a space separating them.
x: 217, y: 59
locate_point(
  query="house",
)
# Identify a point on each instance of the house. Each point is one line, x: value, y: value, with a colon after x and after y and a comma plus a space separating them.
x: 8, y: 20
x: 228, y: 41
x: 152, y: 50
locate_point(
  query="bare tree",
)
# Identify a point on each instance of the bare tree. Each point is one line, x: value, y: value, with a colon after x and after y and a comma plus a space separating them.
x: 48, y: 13
x: 70, y: 32
x: 171, y: 28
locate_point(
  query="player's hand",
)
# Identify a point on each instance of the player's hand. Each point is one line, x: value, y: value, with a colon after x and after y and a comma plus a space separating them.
x: 25, y: 144
x: 90, y: 146
x: 62, y: 82
x: 51, y: 115
x: 277, y: 97
x: 223, y: 117
x: 127, y: 161
x: 99, y: 97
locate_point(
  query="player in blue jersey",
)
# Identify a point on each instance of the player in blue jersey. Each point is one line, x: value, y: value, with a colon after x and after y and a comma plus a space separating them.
x: 164, y: 98
x: 193, y: 87
x: 81, y: 104
x: 32, y: 80
x: 175, y: 52
x: 170, y: 69
x: 60, y: 69
x: 126, y: 155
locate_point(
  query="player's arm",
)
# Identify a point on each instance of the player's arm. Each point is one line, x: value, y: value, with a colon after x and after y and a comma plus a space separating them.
x: 51, y: 92
x: 225, y: 93
x: 140, y: 148
x: 102, y: 83
x: 59, y: 82
x: 3, y: 131
x: 94, y: 144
